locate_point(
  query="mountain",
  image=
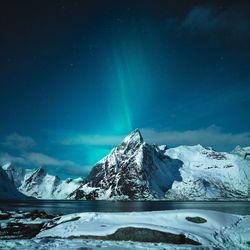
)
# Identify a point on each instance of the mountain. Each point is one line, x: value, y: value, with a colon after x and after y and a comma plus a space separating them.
x: 136, y: 170
x: 207, y: 174
x: 133, y: 170
x: 8, y: 189
x: 39, y: 184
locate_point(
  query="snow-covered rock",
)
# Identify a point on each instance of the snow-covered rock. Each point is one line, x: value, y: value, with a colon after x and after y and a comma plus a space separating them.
x: 8, y: 189
x: 213, y: 230
x: 132, y: 170
x: 207, y: 174
x: 39, y: 184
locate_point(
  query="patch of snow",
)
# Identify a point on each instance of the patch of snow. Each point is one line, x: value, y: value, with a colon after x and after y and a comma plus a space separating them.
x: 221, y: 230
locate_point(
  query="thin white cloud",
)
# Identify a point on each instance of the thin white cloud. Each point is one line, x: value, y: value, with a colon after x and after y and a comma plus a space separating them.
x: 35, y: 158
x: 93, y: 140
x: 53, y: 165
x: 211, y: 136
x: 5, y: 157
x: 19, y: 142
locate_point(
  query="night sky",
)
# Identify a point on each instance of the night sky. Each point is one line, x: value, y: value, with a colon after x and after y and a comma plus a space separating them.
x: 77, y: 76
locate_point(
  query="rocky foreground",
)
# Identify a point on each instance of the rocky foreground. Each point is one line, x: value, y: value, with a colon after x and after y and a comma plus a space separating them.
x: 178, y: 229
x: 22, y: 225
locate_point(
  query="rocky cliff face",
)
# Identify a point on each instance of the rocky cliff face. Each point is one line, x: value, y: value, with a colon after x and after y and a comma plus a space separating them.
x: 133, y: 170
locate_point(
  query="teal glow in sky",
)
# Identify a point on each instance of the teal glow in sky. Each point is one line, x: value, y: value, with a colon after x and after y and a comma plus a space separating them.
x: 77, y: 76
x: 126, y: 74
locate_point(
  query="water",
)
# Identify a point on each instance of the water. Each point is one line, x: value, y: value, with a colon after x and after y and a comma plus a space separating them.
x: 66, y: 207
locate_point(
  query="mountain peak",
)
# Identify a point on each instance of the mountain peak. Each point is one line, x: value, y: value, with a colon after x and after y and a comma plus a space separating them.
x: 39, y: 172
x: 6, y: 165
x: 134, y: 136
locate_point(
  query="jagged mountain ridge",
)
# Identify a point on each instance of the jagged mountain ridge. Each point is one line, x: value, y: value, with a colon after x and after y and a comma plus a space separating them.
x: 207, y: 174
x: 133, y: 170
x: 137, y: 170
x: 39, y: 184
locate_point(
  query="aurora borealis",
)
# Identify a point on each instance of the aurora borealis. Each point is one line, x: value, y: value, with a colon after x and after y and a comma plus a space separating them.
x: 76, y: 76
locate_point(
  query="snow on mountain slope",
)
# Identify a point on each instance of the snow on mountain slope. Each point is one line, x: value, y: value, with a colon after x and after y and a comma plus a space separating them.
x: 207, y: 174
x: 133, y: 170
x: 7, y: 188
x: 242, y: 151
x: 44, y: 186
x: 39, y: 184
x: 66, y: 187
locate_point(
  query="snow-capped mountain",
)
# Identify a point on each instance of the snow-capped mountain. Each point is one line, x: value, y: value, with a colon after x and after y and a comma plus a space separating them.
x: 39, y: 184
x: 137, y: 170
x: 8, y: 189
x: 133, y: 170
x: 207, y: 174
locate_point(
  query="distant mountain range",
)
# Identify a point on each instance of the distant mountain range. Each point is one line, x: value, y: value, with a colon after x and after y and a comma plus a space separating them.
x: 39, y: 184
x: 135, y: 170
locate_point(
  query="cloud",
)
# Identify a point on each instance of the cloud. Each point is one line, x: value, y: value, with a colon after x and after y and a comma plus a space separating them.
x: 66, y: 167
x: 45, y: 160
x: 36, y: 159
x: 233, y: 19
x: 18, y: 142
x: 211, y: 136
x: 5, y: 157
x: 55, y: 166
x: 75, y: 171
x: 91, y: 140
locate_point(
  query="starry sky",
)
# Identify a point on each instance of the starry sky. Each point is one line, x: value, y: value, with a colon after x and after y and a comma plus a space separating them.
x: 77, y: 76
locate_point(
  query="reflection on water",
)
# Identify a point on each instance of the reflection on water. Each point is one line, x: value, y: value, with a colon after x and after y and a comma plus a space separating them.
x: 66, y: 207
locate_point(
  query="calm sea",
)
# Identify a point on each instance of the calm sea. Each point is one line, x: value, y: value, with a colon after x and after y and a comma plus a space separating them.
x: 66, y: 206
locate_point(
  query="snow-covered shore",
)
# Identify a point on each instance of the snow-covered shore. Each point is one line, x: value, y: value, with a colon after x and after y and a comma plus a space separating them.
x: 210, y: 229
x: 219, y: 229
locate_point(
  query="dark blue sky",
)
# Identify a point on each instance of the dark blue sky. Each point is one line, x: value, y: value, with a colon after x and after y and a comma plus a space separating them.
x: 76, y: 76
